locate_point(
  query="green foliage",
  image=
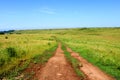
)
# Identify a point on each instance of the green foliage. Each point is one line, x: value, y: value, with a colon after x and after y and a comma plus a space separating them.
x: 11, y: 52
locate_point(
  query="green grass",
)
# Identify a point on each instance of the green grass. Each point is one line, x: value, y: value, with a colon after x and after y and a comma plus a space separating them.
x: 20, y: 47
x: 100, y: 46
x: 38, y: 59
x: 74, y: 62
x: 43, y: 58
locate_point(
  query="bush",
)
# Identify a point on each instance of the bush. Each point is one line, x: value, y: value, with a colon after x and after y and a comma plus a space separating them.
x: 6, y: 37
x: 11, y: 52
x: 2, y: 61
x: 49, y: 44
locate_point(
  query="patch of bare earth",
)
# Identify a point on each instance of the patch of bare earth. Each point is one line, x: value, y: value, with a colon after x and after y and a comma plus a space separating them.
x: 57, y: 68
x: 92, y: 72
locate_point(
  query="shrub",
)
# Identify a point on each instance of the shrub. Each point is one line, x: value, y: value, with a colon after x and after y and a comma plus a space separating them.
x: 6, y: 37
x: 11, y: 52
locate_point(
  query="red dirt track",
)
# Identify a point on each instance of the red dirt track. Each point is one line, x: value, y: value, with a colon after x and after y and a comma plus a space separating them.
x: 92, y: 72
x: 57, y: 68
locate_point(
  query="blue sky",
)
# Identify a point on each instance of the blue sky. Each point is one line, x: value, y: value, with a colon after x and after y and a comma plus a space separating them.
x: 45, y: 14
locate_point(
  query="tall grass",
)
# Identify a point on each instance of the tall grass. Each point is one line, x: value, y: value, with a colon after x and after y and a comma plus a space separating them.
x: 39, y: 59
x: 21, y: 47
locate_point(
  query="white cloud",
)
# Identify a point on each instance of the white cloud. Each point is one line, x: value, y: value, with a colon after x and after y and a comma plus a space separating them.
x: 47, y: 10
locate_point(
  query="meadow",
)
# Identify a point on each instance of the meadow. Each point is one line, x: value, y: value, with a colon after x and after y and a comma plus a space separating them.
x: 17, y: 49
x: 100, y: 46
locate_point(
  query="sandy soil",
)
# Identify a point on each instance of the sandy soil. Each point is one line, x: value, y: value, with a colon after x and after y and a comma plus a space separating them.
x: 92, y: 72
x: 57, y: 68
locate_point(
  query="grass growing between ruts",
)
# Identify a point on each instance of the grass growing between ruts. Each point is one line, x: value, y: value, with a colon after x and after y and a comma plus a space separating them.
x: 74, y: 62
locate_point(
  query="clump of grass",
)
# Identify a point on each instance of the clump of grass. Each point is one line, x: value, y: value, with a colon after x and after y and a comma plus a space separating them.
x: 49, y: 43
x: 75, y: 63
x: 11, y: 52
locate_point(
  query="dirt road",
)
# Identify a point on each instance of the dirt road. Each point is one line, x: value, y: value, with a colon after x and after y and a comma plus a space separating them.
x: 92, y: 72
x: 57, y: 68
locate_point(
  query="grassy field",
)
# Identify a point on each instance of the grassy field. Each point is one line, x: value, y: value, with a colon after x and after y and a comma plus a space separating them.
x: 100, y: 46
x: 17, y: 48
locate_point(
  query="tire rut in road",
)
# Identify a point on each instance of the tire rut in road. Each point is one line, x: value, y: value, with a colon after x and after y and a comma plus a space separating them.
x: 57, y: 68
x: 92, y: 72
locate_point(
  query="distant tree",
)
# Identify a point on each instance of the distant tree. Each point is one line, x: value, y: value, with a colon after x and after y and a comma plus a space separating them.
x: 1, y: 32
x: 4, y: 32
